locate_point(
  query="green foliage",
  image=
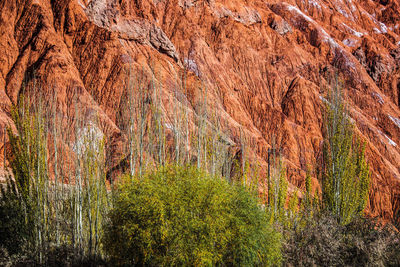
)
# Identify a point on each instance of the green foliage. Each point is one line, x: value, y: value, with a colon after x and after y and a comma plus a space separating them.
x: 180, y: 216
x: 40, y: 216
x: 282, y: 208
x: 278, y: 195
x: 344, y: 172
x: 13, y: 230
x: 29, y: 168
x: 308, y: 192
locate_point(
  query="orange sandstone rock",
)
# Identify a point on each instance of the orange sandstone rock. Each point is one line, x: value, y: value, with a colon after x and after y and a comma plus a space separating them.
x: 264, y: 63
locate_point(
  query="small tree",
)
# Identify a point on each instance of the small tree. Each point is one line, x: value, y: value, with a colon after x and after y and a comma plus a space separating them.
x: 345, y: 173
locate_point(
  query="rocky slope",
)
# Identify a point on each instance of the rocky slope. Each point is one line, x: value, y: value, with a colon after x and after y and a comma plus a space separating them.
x: 264, y: 64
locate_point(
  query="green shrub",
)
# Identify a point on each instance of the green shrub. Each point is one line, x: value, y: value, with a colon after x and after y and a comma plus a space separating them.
x: 179, y: 216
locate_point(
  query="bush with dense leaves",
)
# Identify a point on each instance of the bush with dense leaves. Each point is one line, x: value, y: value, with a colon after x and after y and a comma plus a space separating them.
x: 179, y: 216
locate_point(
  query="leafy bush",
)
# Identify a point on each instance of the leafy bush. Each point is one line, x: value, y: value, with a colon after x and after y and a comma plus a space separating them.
x: 327, y: 242
x: 179, y: 216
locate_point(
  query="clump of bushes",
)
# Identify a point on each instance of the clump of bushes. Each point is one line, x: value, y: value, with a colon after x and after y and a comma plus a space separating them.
x: 334, y: 231
x: 327, y: 242
x: 180, y: 216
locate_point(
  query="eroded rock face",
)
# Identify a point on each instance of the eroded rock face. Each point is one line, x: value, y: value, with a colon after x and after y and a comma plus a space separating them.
x: 264, y: 64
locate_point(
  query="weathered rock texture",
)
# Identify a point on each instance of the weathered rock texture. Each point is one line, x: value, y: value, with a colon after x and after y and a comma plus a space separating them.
x: 264, y: 64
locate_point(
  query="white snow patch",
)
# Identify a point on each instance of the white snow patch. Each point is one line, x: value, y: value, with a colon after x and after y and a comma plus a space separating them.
x: 382, y: 27
x: 81, y: 4
x: 250, y: 16
x: 192, y: 66
x: 343, y: 12
x: 395, y: 120
x: 326, y: 37
x: 378, y: 97
x: 315, y: 4
x: 376, y: 30
x: 323, y: 99
x: 354, y: 32
x: 352, y: 6
x: 169, y: 126
x: 390, y: 141
x: 338, y: 50
x: 350, y: 42
x: 299, y: 12
x: 358, y: 34
x: 346, y: 8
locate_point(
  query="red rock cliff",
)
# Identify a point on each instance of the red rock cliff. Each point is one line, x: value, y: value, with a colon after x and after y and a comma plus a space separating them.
x: 263, y: 62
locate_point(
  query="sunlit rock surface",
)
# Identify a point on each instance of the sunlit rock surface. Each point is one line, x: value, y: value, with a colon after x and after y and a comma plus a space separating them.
x: 264, y: 64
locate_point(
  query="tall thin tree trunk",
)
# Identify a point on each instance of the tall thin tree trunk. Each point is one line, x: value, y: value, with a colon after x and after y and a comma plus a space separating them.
x: 56, y: 200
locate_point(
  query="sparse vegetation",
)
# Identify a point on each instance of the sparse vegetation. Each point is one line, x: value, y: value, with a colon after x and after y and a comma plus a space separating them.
x: 326, y: 242
x: 182, y: 201
x: 44, y: 215
x: 344, y: 171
